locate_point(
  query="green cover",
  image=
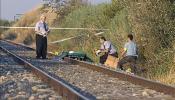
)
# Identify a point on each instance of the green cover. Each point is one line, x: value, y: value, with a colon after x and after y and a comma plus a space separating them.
x: 75, y: 55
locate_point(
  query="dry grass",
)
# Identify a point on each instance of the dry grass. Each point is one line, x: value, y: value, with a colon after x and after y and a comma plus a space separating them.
x: 168, y: 78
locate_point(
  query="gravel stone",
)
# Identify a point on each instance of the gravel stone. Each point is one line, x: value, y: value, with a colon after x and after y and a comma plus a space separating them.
x: 17, y: 82
x: 100, y: 85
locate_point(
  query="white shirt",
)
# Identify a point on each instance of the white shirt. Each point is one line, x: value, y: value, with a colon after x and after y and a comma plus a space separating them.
x: 131, y: 49
x: 108, y: 46
x: 40, y: 29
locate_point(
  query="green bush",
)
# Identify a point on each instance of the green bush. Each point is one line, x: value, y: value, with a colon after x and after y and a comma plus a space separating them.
x: 90, y: 17
x: 150, y: 21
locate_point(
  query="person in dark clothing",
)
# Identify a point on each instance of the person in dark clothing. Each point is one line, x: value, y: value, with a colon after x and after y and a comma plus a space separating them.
x: 107, y: 49
x: 129, y: 54
x: 42, y: 31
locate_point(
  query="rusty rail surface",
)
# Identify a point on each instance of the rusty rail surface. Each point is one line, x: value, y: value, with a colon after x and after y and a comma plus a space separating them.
x: 64, y: 90
x: 157, y: 86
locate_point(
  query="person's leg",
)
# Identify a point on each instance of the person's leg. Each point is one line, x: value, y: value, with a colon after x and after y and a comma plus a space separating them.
x: 114, y: 55
x: 132, y: 61
x: 103, y: 58
x: 44, y: 48
x: 38, y: 46
x: 123, y: 61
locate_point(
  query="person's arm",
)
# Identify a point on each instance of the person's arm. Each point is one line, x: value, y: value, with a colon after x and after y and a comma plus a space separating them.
x: 99, y: 51
x: 107, y: 47
x: 37, y: 28
x: 48, y: 31
x: 104, y: 50
x: 124, y: 50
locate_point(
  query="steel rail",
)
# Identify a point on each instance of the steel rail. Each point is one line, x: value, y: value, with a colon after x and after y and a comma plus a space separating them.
x: 147, y: 83
x: 64, y: 90
x: 157, y: 86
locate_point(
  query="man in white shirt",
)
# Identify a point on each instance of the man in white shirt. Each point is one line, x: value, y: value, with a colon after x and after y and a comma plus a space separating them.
x: 42, y: 31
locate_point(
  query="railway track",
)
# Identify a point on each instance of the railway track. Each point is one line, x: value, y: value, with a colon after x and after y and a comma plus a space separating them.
x: 64, y: 89
x: 90, y: 81
x: 18, y: 83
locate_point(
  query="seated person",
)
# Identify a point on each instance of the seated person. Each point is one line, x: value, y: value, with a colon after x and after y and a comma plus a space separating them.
x: 129, y: 54
x: 107, y: 49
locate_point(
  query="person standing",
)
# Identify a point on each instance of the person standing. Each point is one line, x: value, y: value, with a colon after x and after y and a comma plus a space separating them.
x: 42, y: 31
x: 107, y: 49
x: 129, y: 54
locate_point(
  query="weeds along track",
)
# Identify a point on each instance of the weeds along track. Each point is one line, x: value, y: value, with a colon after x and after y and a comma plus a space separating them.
x: 93, y: 84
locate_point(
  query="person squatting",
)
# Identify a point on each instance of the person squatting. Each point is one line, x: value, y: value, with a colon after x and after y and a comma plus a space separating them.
x: 129, y: 53
x: 107, y: 48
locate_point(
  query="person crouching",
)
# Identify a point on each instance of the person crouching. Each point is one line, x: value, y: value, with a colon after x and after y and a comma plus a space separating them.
x: 129, y: 54
x: 107, y: 48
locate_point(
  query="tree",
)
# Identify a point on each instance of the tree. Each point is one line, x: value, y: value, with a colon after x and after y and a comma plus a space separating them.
x: 65, y: 6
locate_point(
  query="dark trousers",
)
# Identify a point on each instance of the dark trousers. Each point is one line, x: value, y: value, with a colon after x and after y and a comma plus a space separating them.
x: 104, y: 57
x: 128, y: 59
x: 41, y: 46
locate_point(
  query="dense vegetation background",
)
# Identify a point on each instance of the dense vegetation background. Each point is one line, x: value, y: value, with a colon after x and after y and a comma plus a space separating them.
x: 151, y: 21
